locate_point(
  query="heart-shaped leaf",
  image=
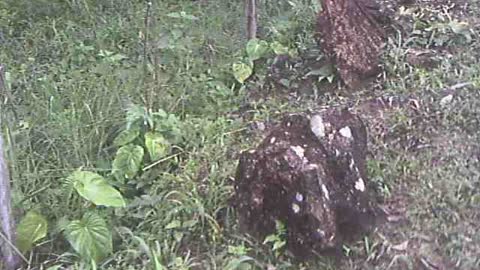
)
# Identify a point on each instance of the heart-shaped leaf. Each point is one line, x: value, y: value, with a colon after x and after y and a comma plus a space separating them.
x: 256, y: 49
x: 128, y: 160
x: 96, y: 189
x: 126, y: 136
x: 157, y: 145
x: 278, y: 48
x: 242, y: 71
x: 31, y: 228
x: 90, y: 237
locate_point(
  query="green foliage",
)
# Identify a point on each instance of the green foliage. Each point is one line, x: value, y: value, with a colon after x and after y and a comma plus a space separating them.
x: 242, y: 71
x: 256, y: 49
x: 126, y: 136
x: 88, y: 78
x: 128, y: 160
x: 30, y: 230
x: 278, y: 48
x: 156, y: 145
x: 90, y: 237
x: 94, y: 188
x: 277, y: 240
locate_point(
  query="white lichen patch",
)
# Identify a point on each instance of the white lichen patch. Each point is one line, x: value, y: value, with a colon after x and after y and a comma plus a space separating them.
x: 299, y: 197
x: 325, y: 192
x: 317, y: 126
x: 299, y: 151
x: 272, y: 140
x: 352, y: 164
x: 346, y: 132
x: 310, y: 167
x: 360, y: 185
x: 320, y: 232
x: 295, y: 208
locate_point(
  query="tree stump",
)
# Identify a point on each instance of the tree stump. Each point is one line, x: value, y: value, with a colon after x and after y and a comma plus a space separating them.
x: 310, y: 174
x: 351, y: 34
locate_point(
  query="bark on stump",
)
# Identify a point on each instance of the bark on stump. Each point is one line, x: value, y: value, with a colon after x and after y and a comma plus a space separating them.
x: 310, y: 174
x: 350, y: 33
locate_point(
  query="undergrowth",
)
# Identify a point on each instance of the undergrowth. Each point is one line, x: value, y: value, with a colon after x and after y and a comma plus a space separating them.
x: 139, y: 103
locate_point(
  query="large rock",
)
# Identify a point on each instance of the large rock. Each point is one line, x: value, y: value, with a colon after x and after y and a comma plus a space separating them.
x: 310, y: 174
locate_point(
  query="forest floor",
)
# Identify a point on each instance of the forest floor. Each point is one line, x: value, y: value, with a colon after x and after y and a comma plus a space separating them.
x: 79, y: 72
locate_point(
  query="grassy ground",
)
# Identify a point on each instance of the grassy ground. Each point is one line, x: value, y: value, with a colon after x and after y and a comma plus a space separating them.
x: 77, y: 70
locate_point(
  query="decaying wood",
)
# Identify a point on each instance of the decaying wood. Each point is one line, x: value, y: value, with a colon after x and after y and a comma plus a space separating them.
x: 350, y: 32
x: 7, y: 228
x: 251, y: 13
x: 310, y: 174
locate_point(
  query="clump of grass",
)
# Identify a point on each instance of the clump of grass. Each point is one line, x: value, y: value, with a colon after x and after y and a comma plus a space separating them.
x: 77, y: 67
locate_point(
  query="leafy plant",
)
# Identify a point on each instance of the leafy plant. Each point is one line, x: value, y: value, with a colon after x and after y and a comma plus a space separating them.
x: 94, y: 188
x: 256, y: 49
x: 128, y: 160
x: 277, y: 240
x: 31, y: 228
x: 242, y: 71
x: 90, y: 237
x: 156, y: 145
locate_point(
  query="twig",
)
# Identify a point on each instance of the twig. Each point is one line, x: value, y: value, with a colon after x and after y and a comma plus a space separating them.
x: 160, y: 161
x: 12, y: 246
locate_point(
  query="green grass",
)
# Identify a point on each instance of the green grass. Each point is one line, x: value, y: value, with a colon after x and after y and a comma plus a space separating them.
x: 77, y: 67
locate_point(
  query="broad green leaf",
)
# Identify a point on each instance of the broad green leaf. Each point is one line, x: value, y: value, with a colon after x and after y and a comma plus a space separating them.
x: 128, y: 160
x: 136, y: 114
x: 278, y: 48
x: 126, y: 136
x: 240, y: 263
x: 256, y: 49
x: 31, y: 228
x: 96, y: 189
x: 242, y: 71
x: 278, y: 245
x: 90, y: 237
x: 173, y: 224
x: 157, y: 145
x: 270, y: 238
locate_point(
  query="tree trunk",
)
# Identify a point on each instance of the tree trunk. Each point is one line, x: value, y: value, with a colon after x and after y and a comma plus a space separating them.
x: 251, y: 14
x: 7, y: 228
x: 351, y: 34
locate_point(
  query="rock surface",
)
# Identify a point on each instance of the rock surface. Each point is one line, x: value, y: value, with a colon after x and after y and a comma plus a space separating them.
x: 310, y: 174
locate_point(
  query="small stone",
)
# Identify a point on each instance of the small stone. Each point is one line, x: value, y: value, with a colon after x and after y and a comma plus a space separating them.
x: 273, y: 139
x: 317, y: 126
x: 298, y: 150
x: 346, y: 132
x: 446, y: 100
